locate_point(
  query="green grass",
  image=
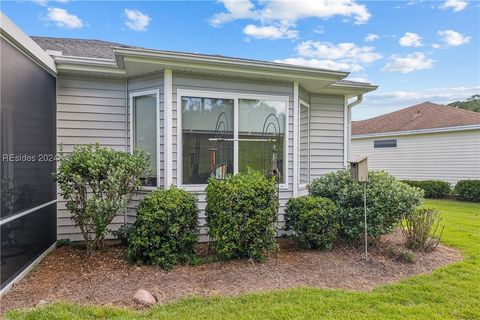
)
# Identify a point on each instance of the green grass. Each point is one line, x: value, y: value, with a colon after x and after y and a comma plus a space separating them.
x: 451, y: 292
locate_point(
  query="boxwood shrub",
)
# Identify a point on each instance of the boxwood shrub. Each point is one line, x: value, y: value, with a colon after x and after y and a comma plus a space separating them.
x: 468, y: 190
x: 241, y: 214
x: 166, y: 229
x: 388, y: 200
x: 434, y: 189
x: 314, y: 220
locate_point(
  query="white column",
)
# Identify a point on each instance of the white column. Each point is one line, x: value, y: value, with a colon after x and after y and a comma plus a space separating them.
x: 168, y: 127
x: 345, y: 130
x: 296, y: 102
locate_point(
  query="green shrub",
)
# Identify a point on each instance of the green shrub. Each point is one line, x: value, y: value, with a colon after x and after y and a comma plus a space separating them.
x: 407, y: 257
x: 241, y: 213
x: 400, y: 254
x: 123, y: 233
x: 388, y: 200
x: 314, y: 220
x: 421, y: 229
x: 166, y: 229
x: 468, y: 190
x: 434, y: 189
x: 97, y: 183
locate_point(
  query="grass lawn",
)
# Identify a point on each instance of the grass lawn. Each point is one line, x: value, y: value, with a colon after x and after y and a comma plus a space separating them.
x: 451, y: 292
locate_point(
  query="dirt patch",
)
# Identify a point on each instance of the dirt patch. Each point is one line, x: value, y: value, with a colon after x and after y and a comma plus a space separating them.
x: 107, y: 279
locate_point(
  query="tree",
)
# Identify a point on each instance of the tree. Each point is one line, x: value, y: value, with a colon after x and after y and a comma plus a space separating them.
x: 472, y: 103
x: 97, y: 183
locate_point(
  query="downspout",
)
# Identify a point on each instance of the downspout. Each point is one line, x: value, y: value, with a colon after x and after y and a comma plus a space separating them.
x: 349, y: 125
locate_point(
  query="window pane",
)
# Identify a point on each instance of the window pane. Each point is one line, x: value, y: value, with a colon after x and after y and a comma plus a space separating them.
x: 304, y: 145
x: 145, y: 132
x: 202, y: 119
x: 255, y: 118
x: 387, y: 143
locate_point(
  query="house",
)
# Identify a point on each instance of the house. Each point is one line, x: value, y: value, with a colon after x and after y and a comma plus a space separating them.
x: 195, y: 114
x: 424, y: 141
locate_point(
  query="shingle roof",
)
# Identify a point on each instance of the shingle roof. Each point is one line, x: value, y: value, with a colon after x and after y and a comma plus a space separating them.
x: 79, y: 47
x: 425, y: 115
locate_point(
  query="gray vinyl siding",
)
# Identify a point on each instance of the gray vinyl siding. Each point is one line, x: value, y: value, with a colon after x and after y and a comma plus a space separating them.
x: 88, y: 111
x: 94, y: 110
x: 449, y: 156
x: 326, y: 134
x: 217, y: 84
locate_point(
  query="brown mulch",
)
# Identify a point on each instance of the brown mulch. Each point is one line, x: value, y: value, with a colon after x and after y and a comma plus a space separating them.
x: 107, y: 279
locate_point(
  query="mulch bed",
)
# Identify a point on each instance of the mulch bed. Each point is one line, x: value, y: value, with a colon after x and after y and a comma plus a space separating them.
x: 107, y: 279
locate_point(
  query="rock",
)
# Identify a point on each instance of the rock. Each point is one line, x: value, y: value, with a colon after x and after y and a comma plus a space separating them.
x: 144, y: 298
x: 42, y: 303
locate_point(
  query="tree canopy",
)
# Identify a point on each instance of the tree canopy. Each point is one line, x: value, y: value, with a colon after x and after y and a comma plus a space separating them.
x: 472, y: 103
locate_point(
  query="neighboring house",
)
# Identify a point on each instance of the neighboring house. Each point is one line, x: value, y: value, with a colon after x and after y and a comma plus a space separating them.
x: 425, y: 141
x: 171, y: 104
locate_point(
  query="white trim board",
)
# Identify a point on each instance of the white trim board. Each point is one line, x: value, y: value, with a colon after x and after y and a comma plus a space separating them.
x: 25, y: 271
x: 420, y: 131
x: 296, y: 108
x: 235, y: 96
x: 11, y: 32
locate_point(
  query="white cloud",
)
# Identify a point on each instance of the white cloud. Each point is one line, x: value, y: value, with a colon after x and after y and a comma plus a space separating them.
x: 43, y: 3
x: 455, y: 5
x: 269, y: 32
x: 436, y: 46
x: 358, y: 79
x: 326, y: 55
x: 410, y: 40
x: 322, y: 64
x: 377, y: 103
x: 319, y: 30
x: 408, y: 63
x: 341, y: 51
x: 285, y: 13
x: 136, y: 20
x: 371, y: 37
x: 64, y: 19
x: 453, y: 38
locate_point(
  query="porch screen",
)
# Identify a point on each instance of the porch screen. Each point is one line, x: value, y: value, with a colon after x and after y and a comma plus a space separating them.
x: 202, y: 119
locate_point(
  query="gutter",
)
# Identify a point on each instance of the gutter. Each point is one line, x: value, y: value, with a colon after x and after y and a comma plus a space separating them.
x: 172, y: 58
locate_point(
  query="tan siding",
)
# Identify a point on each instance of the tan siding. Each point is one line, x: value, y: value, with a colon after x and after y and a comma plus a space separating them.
x: 449, y: 156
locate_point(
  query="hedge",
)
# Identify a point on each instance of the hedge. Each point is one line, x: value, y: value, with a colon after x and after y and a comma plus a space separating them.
x: 468, y: 190
x: 241, y: 214
x: 434, y: 189
x: 314, y: 221
x: 388, y: 200
x: 166, y: 229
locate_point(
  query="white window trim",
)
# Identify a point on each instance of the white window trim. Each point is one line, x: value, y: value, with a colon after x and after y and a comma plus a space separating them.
x: 235, y: 96
x: 307, y: 105
x: 132, y: 95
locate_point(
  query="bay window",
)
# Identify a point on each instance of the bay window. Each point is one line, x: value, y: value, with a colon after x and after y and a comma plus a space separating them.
x: 143, y: 117
x: 228, y: 133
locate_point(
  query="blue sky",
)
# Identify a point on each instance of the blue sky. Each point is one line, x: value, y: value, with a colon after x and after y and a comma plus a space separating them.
x: 415, y: 50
